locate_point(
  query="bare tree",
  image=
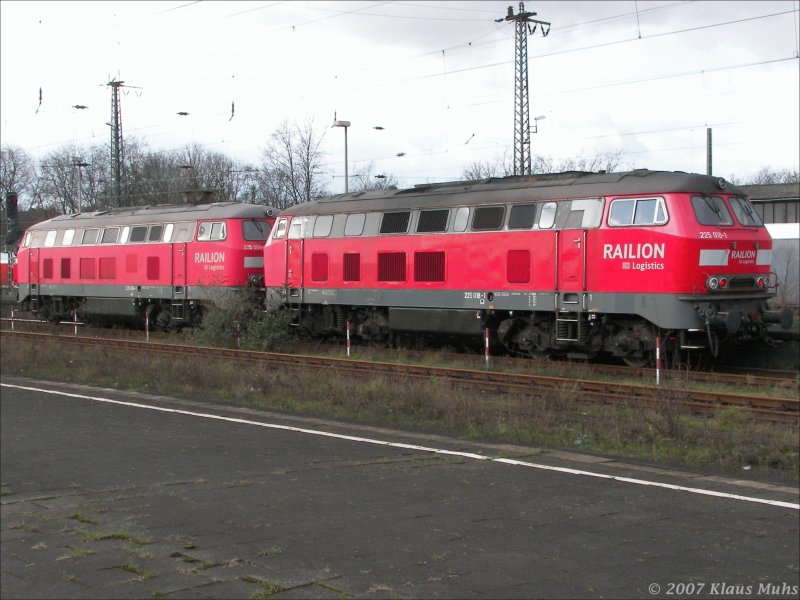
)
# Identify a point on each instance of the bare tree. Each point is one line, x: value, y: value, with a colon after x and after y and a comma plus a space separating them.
x: 767, y: 176
x: 364, y: 180
x: 500, y: 167
x: 503, y: 167
x: 603, y: 161
x: 291, y: 170
x: 17, y: 173
x: 60, y: 181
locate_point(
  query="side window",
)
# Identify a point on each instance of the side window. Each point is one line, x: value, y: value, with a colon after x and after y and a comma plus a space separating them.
x: 461, y: 220
x: 209, y: 231
x: 27, y: 241
x: 184, y: 233
x: 637, y: 211
x: 138, y: 234
x: 488, y: 218
x: 296, y: 229
x: 621, y: 212
x: 69, y: 236
x: 280, y: 229
x: 585, y: 213
x: 547, y: 216
x: 168, y: 232
x: 395, y: 222
x: 432, y: 221
x: 648, y: 212
x: 574, y: 219
x: 218, y: 231
x: 711, y: 210
x: 155, y: 233
x: 50, y: 239
x: 110, y: 235
x: 322, y: 226
x: 126, y: 232
x: 522, y: 216
x: 355, y: 224
x: 89, y: 236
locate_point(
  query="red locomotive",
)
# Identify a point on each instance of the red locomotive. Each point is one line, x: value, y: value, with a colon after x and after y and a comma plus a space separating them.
x: 164, y: 262
x: 568, y: 264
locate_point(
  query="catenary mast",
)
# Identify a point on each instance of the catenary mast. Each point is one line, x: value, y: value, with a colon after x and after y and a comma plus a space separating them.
x: 525, y: 25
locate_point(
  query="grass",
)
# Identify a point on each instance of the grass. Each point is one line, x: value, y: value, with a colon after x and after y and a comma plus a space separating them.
x: 76, y: 553
x: 268, y: 588
x: 730, y: 442
x: 135, y: 569
x: 93, y: 536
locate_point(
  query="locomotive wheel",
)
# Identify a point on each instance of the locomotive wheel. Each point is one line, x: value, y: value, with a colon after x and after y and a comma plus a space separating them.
x: 639, y: 362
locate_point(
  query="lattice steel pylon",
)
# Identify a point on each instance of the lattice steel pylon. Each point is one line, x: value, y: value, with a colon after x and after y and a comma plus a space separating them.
x: 522, y: 129
x: 116, y: 141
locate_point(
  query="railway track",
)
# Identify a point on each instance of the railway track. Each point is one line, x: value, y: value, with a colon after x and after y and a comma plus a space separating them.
x: 767, y: 397
x: 750, y: 377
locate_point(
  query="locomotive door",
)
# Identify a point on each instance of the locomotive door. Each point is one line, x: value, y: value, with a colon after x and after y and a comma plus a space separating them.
x: 33, y: 266
x: 178, y: 266
x: 179, y: 294
x: 33, y: 277
x: 572, y: 260
x: 294, y: 269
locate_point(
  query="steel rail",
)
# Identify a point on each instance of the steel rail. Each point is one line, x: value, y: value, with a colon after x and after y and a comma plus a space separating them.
x: 539, y: 386
x: 778, y: 379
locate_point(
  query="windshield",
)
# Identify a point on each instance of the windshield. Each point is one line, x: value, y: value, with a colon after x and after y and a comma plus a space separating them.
x: 255, y: 231
x: 711, y: 210
x: 745, y: 213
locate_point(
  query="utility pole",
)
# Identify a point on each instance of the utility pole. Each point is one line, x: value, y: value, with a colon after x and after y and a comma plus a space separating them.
x: 522, y: 130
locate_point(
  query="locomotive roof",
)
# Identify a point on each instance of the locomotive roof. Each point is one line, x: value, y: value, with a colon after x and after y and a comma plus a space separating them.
x: 159, y: 213
x: 573, y: 184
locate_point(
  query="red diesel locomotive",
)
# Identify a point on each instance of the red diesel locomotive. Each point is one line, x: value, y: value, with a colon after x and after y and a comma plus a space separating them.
x: 162, y: 261
x: 567, y: 264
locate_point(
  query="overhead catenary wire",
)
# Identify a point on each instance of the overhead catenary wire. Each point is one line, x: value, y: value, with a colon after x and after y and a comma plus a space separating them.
x: 445, y: 71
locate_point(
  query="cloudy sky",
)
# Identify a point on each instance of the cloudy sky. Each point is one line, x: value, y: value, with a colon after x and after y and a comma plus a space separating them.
x: 642, y: 78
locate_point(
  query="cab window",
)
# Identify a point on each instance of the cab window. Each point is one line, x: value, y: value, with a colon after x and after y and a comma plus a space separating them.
x: 745, y: 213
x: 637, y: 211
x: 255, y: 231
x: 711, y: 210
x: 280, y: 229
x: 211, y: 231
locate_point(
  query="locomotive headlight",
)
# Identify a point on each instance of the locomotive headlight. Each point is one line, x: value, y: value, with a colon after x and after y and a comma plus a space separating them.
x: 723, y: 283
x: 760, y: 282
x: 713, y: 283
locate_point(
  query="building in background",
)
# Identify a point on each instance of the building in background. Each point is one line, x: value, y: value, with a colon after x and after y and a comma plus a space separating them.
x: 778, y: 204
